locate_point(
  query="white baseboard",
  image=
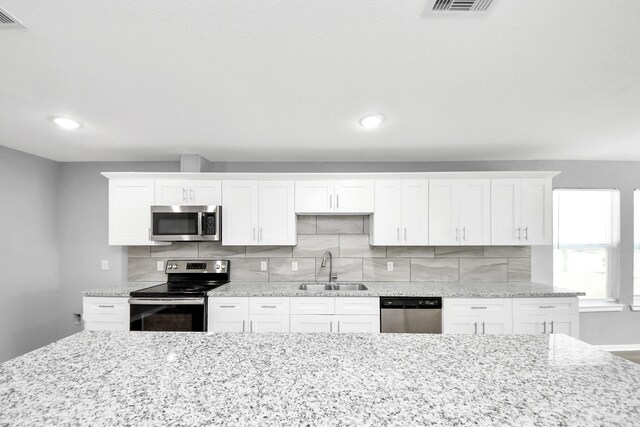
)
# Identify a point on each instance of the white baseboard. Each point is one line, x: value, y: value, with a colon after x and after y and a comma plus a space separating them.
x: 619, y: 347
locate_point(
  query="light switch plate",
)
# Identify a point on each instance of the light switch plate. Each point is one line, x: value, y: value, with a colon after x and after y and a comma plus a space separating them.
x: 104, y: 264
x: 263, y: 265
x: 294, y: 266
x: 390, y: 266
x: 160, y: 265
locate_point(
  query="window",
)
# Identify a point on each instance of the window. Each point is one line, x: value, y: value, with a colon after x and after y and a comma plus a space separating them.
x: 586, y: 241
x: 636, y: 250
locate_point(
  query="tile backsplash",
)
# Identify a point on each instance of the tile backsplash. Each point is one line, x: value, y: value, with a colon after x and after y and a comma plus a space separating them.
x: 347, y: 237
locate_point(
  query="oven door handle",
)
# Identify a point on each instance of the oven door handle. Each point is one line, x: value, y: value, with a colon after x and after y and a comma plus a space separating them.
x: 167, y: 301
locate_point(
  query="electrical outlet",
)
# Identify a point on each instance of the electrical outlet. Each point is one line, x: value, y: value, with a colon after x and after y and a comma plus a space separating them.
x: 105, y: 264
x: 160, y: 265
x: 77, y: 319
x: 294, y: 266
x: 390, y: 266
x: 263, y: 265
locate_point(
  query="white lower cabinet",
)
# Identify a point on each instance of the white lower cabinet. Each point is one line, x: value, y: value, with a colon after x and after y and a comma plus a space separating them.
x: 311, y: 322
x: 228, y: 314
x: 350, y: 323
x: 546, y: 316
x: 105, y: 313
x: 260, y: 323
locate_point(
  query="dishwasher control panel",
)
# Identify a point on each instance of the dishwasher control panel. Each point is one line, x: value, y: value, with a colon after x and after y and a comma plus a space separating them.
x: 411, y: 302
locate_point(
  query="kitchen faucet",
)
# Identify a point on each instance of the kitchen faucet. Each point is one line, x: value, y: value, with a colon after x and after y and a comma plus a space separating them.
x: 332, y: 276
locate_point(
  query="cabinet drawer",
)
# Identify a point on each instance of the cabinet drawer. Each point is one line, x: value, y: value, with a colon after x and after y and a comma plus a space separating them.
x: 269, y: 305
x: 357, y: 305
x: 478, y: 306
x: 525, y: 306
x: 312, y: 305
x: 265, y: 323
x: 229, y: 307
x: 106, y: 310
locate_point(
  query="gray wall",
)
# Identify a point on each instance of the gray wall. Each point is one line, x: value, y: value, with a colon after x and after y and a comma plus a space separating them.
x: 29, y: 283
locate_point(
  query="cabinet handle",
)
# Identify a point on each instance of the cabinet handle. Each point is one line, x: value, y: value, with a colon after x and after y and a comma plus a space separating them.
x: 105, y: 306
x: 405, y: 234
x: 483, y: 328
x: 398, y: 234
x: 268, y: 306
x: 331, y: 326
x: 526, y: 233
x: 456, y: 233
x: 547, y: 306
x: 191, y: 194
x: 250, y: 325
x: 337, y: 201
x: 184, y: 194
x: 227, y: 306
x: 243, y: 326
x: 338, y: 326
x: 478, y: 308
x: 519, y: 231
x: 260, y: 233
x: 544, y: 326
x: 330, y: 200
x: 253, y: 239
x: 464, y: 233
x: 475, y: 327
x: 552, y: 326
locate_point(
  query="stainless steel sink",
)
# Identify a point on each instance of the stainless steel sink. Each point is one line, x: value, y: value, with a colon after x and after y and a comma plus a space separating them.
x: 333, y: 287
x: 316, y: 287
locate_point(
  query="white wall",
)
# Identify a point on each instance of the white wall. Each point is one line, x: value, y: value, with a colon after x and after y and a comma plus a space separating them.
x: 29, y: 284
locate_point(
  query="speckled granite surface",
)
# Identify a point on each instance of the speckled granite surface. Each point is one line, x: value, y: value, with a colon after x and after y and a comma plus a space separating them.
x: 157, y: 379
x: 118, y: 291
x: 423, y: 289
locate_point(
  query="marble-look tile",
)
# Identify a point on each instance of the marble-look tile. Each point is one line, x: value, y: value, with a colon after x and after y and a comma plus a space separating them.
x: 507, y: 251
x: 459, y: 251
x: 315, y: 246
x: 139, y: 251
x: 435, y: 270
x: 248, y: 270
x: 269, y: 251
x: 483, y: 270
x: 519, y: 269
x: 216, y: 250
x: 358, y: 247
x: 375, y: 270
x: 348, y: 269
x: 366, y: 224
x: 280, y: 269
x: 340, y: 224
x: 176, y: 250
x: 306, y: 224
x: 145, y: 270
x: 410, y: 252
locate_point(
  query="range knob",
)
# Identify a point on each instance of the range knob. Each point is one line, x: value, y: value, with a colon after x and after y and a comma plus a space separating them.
x: 217, y: 266
x: 174, y: 266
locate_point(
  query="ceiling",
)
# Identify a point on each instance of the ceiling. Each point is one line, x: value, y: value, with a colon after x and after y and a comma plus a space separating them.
x: 288, y: 80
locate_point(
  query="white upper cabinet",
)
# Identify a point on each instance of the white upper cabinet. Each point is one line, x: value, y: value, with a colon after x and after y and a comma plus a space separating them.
x: 130, y: 202
x: 401, y: 213
x: 188, y: 192
x: 346, y: 196
x: 459, y: 212
x: 521, y: 211
x: 258, y: 213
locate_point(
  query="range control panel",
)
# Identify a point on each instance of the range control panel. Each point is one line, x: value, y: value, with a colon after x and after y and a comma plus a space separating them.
x: 196, y: 266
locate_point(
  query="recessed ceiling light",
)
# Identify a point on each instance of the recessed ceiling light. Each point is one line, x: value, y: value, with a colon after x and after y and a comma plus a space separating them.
x: 372, y: 121
x: 65, y: 123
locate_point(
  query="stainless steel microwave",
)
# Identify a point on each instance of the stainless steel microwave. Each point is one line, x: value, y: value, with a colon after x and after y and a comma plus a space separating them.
x: 185, y: 223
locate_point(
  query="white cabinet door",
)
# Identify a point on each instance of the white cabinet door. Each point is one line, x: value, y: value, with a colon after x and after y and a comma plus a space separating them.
x: 529, y: 324
x: 240, y: 212
x: 537, y: 213
x: 495, y: 325
x: 568, y: 325
x: 277, y: 215
x: 105, y: 313
x: 506, y: 212
x: 475, y: 212
x: 171, y: 192
x: 459, y: 324
x: 354, y: 196
x: 312, y: 305
x: 228, y: 314
x: 266, y: 323
x: 314, y: 197
x: 346, y: 323
x: 205, y: 192
x: 386, y: 221
x: 311, y: 323
x: 444, y: 212
x: 130, y: 202
x: 415, y: 212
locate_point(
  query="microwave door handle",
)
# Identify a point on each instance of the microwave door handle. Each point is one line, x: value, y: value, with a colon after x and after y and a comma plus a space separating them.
x: 200, y: 219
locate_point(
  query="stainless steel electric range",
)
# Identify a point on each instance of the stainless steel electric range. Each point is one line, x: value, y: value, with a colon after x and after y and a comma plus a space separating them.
x: 181, y: 303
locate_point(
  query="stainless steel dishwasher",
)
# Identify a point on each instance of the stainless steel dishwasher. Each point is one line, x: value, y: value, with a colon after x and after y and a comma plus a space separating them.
x: 411, y: 315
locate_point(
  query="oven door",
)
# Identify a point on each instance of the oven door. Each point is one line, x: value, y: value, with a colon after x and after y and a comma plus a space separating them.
x: 185, y: 223
x: 163, y: 314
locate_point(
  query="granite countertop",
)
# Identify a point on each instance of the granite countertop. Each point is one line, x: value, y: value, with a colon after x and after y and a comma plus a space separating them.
x: 118, y: 290
x: 422, y: 289
x: 146, y: 378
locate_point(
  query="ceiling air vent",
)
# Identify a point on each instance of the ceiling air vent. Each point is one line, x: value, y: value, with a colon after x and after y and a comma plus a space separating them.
x: 461, y: 5
x: 7, y: 21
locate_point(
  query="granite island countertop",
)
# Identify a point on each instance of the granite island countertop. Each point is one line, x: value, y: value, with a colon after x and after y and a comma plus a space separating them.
x: 118, y: 290
x: 147, y: 378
